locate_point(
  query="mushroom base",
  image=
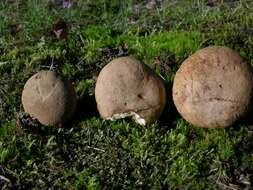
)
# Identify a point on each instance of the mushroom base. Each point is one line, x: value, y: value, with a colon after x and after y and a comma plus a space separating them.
x: 137, y: 118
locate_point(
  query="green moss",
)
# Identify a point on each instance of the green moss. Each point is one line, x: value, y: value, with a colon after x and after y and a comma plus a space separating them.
x: 90, y: 153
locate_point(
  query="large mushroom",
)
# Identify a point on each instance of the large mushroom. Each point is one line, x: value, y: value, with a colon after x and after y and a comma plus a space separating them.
x: 49, y: 98
x: 213, y: 87
x: 127, y: 88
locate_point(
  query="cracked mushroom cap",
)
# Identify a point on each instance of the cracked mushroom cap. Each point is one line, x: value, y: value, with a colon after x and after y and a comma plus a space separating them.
x: 48, y: 98
x: 125, y: 87
x: 213, y: 87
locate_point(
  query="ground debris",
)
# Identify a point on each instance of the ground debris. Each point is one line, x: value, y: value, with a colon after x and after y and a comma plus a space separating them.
x: 224, y: 183
x: 5, y: 178
x: 27, y: 123
x: 110, y: 52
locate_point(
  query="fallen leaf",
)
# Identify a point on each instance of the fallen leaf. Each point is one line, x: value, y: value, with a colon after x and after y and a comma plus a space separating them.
x: 60, y: 29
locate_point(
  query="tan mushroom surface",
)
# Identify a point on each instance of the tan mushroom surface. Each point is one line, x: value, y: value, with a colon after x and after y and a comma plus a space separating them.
x: 127, y: 88
x: 49, y: 98
x: 213, y: 87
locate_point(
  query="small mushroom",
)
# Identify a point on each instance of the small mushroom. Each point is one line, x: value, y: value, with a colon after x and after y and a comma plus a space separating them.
x: 213, y: 87
x: 127, y: 88
x: 48, y: 98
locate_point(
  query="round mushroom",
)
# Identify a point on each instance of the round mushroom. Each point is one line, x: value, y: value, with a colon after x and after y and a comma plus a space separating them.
x: 49, y: 98
x: 213, y: 87
x: 127, y: 88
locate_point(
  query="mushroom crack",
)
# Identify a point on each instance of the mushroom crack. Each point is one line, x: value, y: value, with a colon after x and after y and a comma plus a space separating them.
x: 38, y: 91
x: 223, y: 100
x: 49, y: 94
x: 146, y: 108
x: 136, y: 110
x: 192, y: 88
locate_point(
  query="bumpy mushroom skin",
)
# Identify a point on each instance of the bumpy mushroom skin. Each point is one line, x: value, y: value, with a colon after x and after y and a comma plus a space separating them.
x: 126, y: 87
x: 213, y: 87
x: 48, y: 98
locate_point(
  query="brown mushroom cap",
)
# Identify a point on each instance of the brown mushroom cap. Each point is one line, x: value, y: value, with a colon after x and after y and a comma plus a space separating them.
x: 126, y: 87
x: 213, y: 87
x: 48, y: 98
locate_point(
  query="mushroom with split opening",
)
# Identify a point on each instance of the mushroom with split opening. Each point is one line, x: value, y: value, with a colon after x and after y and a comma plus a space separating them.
x: 127, y: 88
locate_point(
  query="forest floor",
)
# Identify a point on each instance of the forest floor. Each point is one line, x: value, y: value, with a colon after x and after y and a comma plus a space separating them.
x: 80, y: 37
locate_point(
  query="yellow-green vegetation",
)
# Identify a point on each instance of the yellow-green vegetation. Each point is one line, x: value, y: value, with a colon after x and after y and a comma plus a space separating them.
x: 89, y: 153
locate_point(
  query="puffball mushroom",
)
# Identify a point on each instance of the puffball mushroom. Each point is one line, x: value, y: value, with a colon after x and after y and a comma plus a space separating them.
x: 125, y: 87
x: 49, y: 98
x: 213, y: 87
